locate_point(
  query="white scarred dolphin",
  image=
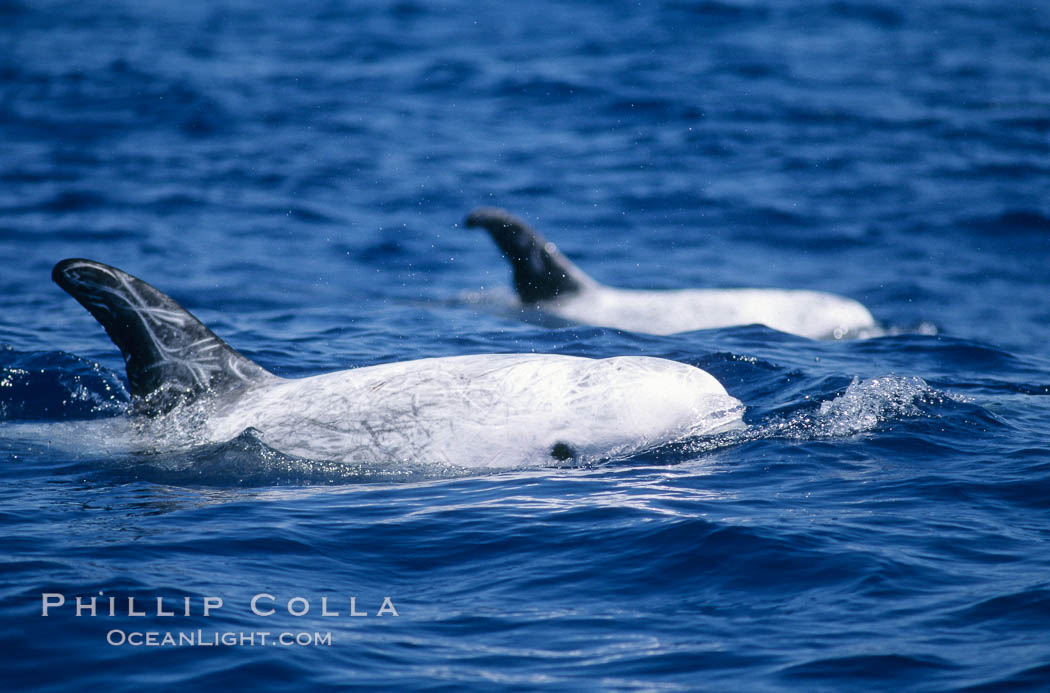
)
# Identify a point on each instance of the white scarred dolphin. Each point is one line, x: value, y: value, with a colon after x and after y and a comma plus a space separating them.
x: 548, y: 282
x: 494, y: 410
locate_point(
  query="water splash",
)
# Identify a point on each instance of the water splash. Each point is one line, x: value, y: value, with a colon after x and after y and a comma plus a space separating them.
x: 864, y: 406
x: 55, y: 385
x: 867, y: 403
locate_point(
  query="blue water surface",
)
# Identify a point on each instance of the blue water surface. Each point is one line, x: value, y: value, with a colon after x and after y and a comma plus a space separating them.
x: 296, y: 174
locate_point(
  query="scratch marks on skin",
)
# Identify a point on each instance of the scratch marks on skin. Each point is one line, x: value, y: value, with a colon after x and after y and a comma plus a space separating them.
x: 200, y: 359
x: 485, y: 411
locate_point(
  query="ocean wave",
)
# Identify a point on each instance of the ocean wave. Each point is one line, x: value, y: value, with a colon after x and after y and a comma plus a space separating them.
x: 54, y: 385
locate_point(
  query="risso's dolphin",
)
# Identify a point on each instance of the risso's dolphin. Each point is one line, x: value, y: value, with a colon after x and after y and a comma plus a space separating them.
x: 492, y: 410
x: 548, y: 282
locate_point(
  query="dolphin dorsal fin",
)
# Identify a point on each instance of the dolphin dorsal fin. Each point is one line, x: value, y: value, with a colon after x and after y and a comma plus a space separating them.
x: 171, y: 357
x: 541, y: 272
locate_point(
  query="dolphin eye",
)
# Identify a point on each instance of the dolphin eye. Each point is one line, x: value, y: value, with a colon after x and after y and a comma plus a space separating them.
x: 562, y: 452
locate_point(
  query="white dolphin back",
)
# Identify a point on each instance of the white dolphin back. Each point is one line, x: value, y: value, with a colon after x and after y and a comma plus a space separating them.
x: 812, y: 314
x: 492, y: 410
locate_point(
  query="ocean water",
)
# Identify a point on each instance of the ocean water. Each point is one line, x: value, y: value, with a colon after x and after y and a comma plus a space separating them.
x: 296, y: 174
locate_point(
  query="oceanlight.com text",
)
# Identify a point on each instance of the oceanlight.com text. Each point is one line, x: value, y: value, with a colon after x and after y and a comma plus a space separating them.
x: 209, y: 638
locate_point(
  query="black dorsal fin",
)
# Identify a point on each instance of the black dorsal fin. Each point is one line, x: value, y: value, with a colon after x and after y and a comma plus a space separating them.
x: 171, y: 357
x: 541, y: 272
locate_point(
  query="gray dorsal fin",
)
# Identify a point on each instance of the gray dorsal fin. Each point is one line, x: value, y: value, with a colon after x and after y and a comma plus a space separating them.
x: 171, y: 357
x: 541, y: 272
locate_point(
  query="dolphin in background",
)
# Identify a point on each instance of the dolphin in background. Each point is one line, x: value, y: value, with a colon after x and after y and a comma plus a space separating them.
x: 550, y: 283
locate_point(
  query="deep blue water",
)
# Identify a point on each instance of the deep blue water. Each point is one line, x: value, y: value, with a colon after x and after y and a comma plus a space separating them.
x: 295, y: 173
